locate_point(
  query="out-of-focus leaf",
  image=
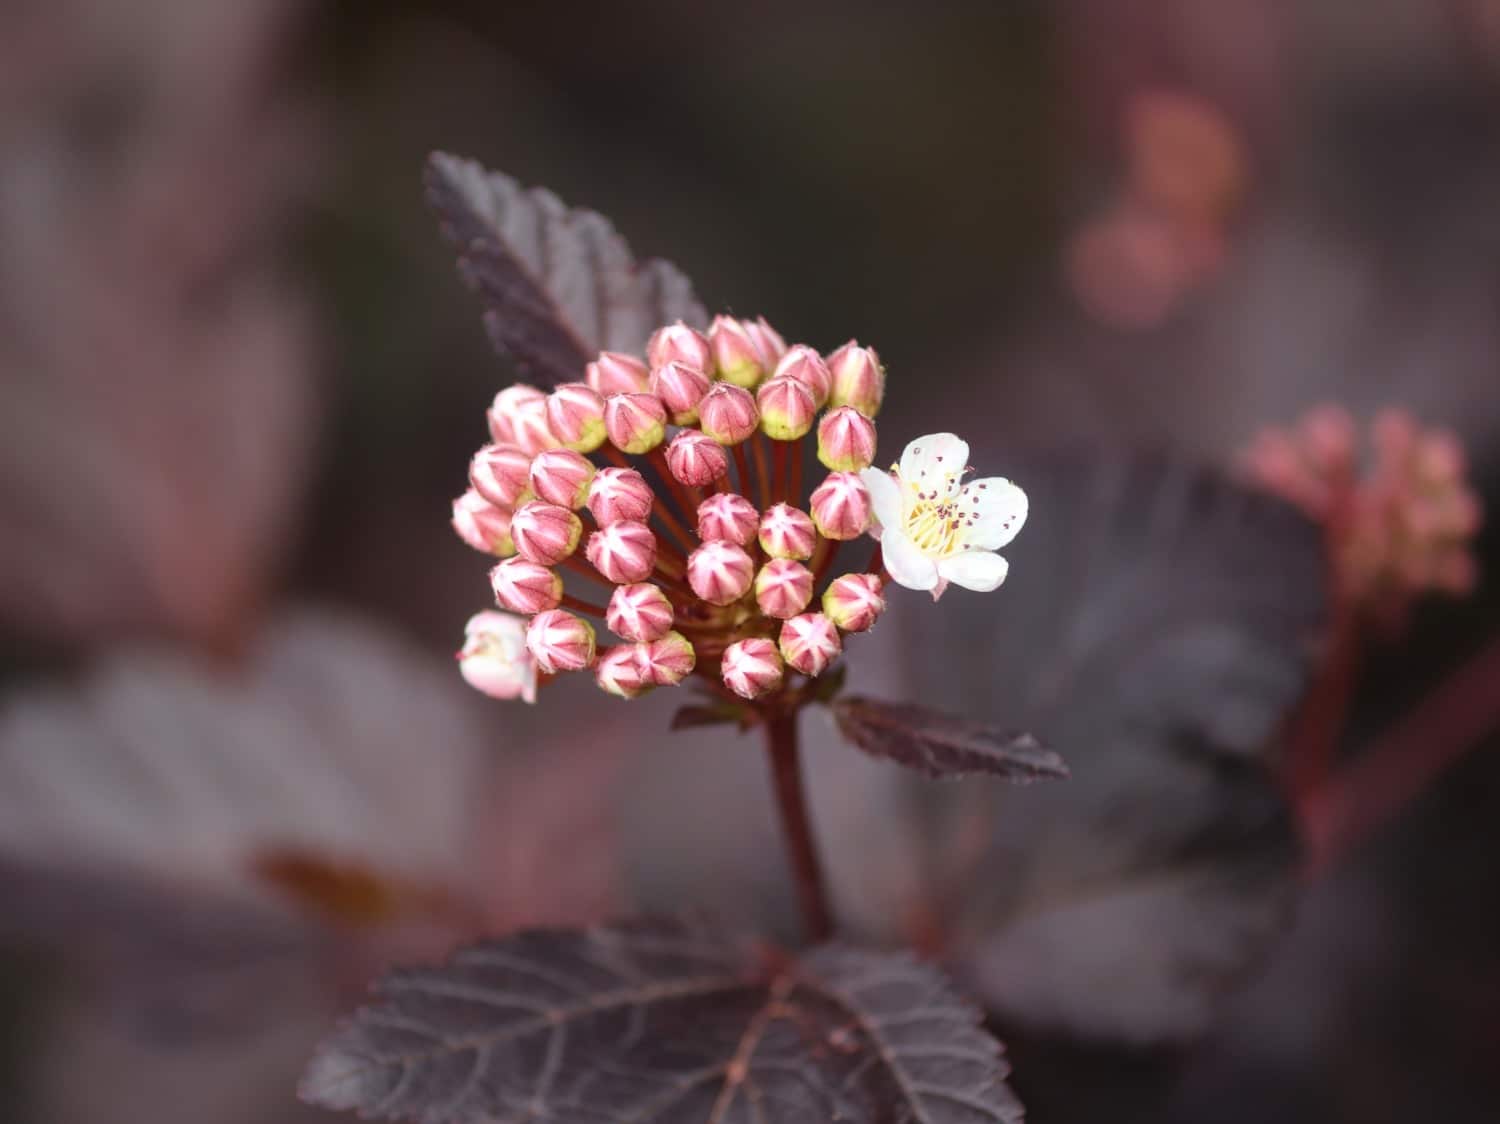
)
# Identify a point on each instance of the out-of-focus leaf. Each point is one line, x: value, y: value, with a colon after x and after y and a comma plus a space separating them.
x: 1157, y: 626
x: 334, y: 739
x: 349, y: 893
x: 669, y: 1021
x: 939, y: 745
x: 160, y: 817
x: 558, y: 284
x: 157, y: 371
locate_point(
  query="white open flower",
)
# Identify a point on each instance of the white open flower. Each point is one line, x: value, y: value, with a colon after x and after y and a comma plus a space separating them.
x: 935, y: 529
x: 494, y: 658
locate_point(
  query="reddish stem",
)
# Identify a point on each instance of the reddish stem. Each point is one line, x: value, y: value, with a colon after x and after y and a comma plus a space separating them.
x: 579, y: 605
x: 1313, y: 738
x: 1365, y: 794
x: 827, y: 550
x: 762, y: 473
x: 778, y: 477
x: 796, y: 826
x: 794, y: 489
x: 742, y: 468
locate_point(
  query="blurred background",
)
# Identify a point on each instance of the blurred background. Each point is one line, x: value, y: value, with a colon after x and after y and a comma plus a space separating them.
x: 240, y: 383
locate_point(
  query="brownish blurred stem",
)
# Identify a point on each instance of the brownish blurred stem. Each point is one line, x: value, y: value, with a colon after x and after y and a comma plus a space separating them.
x: 791, y: 799
x: 742, y: 469
x: 1364, y: 795
x: 1312, y: 741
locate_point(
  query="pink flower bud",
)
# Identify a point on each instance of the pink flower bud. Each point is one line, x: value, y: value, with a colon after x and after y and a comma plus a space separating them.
x: 841, y: 506
x: 545, y: 533
x: 559, y: 641
x: 668, y: 661
x: 562, y: 476
x: 787, y: 532
x: 575, y: 414
x: 735, y: 355
x: 619, y: 495
x: 623, y: 552
x: 501, y: 474
x: 639, y: 612
x: 614, y: 372
x: 720, y: 572
x: 728, y: 414
x: 619, y: 672
x: 526, y: 587
x: 636, y: 423
x: 854, y: 601
x: 522, y: 419
x: 695, y: 459
x: 846, y: 440
x: 810, y: 643
x: 752, y: 668
x: 858, y: 379
x: 783, y: 588
x: 680, y: 389
x: 677, y: 343
x: 727, y: 517
x: 787, y: 408
x: 483, y: 525
x: 769, y: 345
x: 502, y: 412
x: 806, y: 366
x: 494, y: 658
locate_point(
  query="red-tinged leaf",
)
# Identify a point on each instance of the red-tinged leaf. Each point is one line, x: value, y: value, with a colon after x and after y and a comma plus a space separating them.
x: 558, y: 284
x: 672, y: 1022
x: 348, y: 892
x: 940, y: 745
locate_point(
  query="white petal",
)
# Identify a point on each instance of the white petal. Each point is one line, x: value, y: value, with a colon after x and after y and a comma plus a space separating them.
x: 908, y: 566
x: 998, y: 509
x: 885, y: 497
x: 935, y: 463
x: 974, y: 569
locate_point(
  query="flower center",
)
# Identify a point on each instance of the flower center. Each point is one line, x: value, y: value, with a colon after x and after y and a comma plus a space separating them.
x: 935, y: 520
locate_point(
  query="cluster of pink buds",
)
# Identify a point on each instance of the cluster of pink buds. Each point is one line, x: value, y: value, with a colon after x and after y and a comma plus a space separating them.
x: 661, y: 498
x: 1400, y: 519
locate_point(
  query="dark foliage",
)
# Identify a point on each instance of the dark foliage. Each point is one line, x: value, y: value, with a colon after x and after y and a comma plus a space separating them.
x: 940, y: 745
x: 669, y: 1022
x: 558, y: 284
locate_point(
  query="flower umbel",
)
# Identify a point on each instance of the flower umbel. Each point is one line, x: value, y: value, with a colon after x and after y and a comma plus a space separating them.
x: 680, y: 476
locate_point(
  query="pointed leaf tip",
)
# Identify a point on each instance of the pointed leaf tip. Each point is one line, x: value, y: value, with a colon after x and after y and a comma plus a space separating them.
x: 558, y: 284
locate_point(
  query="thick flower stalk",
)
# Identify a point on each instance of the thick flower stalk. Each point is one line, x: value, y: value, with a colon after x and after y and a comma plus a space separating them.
x: 660, y: 500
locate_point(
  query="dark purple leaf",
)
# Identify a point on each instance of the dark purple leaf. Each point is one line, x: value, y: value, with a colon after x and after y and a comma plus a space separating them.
x: 940, y: 745
x: 1157, y: 626
x: 672, y: 1022
x: 558, y: 284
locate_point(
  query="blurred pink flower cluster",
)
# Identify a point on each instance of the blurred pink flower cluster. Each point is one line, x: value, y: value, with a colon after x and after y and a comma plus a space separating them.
x: 1164, y: 232
x: 674, y: 482
x: 1400, y: 516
